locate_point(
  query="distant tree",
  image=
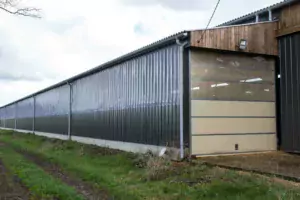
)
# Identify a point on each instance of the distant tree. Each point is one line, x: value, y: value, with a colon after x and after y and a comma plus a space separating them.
x: 13, y: 7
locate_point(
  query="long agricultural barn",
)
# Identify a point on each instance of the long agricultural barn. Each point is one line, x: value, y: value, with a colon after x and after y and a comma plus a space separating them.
x: 226, y: 90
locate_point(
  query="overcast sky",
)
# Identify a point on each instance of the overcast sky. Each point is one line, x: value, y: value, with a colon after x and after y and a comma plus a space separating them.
x: 74, y: 36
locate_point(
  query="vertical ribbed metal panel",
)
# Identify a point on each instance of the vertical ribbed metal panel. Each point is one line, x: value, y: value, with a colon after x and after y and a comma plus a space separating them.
x: 10, y: 113
x: 289, y: 52
x: 1, y: 117
x: 51, y: 111
x: 25, y: 114
x: 135, y: 101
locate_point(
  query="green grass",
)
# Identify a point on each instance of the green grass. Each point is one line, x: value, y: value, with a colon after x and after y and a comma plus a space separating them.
x: 40, y: 184
x: 123, y: 180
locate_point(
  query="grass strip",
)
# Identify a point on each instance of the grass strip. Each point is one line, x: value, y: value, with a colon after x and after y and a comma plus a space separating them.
x: 38, y: 182
x: 123, y: 180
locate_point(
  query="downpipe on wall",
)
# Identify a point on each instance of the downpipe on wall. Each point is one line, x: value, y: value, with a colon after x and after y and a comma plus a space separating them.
x: 180, y: 86
x: 16, y: 108
x: 33, y: 119
x: 70, y: 110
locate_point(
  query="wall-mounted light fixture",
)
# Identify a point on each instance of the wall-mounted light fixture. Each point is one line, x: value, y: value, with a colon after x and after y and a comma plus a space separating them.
x: 243, y: 44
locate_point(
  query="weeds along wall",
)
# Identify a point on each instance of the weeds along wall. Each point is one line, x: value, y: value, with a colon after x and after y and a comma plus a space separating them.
x: 136, y: 101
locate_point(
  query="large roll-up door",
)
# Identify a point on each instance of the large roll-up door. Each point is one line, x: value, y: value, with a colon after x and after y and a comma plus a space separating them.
x: 232, y: 103
x: 289, y: 53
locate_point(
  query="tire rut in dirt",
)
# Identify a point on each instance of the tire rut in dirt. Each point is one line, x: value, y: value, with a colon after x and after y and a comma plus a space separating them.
x: 87, y: 190
x: 10, y: 186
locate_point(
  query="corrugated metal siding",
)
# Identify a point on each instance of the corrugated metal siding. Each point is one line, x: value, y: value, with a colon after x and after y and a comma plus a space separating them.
x: 51, y: 112
x: 136, y: 101
x: 289, y: 47
x: 2, y: 117
x: 25, y: 114
x: 10, y: 113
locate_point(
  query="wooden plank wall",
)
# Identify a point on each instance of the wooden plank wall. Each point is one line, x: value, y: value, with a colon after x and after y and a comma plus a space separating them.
x: 261, y: 38
x: 289, y: 20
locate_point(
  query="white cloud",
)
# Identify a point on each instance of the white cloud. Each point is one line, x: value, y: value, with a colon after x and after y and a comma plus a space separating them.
x: 186, y: 5
x: 74, y: 36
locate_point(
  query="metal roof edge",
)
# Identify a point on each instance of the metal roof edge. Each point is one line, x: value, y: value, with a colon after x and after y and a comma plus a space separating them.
x: 148, y: 48
x: 229, y: 26
x: 263, y: 10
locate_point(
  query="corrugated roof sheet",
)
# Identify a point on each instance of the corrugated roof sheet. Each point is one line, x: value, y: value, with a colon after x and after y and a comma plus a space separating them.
x: 274, y: 6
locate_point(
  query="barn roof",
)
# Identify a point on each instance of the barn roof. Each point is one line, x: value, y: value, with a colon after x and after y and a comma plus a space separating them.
x: 263, y: 10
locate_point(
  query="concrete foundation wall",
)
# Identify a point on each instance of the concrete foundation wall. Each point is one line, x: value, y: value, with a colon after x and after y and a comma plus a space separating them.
x: 124, y: 146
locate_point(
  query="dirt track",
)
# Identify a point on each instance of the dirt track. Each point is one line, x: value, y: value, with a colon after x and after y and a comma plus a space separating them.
x: 87, y: 190
x: 10, y: 186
